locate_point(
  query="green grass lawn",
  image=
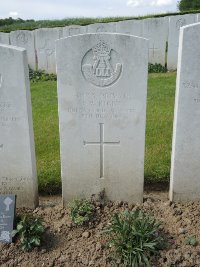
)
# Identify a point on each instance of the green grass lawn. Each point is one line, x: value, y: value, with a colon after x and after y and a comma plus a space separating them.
x: 161, y: 90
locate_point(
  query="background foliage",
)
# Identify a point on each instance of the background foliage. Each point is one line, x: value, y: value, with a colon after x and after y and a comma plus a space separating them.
x: 186, y: 5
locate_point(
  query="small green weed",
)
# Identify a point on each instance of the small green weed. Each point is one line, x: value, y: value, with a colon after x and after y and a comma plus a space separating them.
x: 156, y: 68
x: 39, y: 75
x: 191, y: 240
x: 30, y: 230
x: 81, y: 211
x: 134, y: 237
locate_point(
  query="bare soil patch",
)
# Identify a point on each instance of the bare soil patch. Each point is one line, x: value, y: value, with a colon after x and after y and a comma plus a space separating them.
x: 65, y: 245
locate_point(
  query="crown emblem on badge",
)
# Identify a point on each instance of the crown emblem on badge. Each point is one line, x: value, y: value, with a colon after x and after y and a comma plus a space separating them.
x: 101, y: 50
x: 101, y: 72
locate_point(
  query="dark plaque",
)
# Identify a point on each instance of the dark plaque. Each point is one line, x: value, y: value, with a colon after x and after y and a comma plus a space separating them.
x: 7, y: 217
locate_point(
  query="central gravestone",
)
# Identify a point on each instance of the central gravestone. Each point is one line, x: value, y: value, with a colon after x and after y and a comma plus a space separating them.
x: 102, y: 85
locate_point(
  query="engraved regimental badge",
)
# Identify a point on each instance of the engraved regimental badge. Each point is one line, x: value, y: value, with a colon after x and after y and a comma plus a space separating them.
x: 101, y: 65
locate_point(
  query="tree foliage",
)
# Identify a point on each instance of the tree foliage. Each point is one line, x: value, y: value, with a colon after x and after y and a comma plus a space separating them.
x: 185, y: 5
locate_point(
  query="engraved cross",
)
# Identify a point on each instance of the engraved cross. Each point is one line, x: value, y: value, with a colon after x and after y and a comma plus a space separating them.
x: 101, y: 143
x: 153, y: 49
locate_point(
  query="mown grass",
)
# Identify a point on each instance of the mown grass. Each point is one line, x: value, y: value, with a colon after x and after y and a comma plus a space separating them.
x: 161, y: 90
x: 45, y: 122
x: 32, y: 25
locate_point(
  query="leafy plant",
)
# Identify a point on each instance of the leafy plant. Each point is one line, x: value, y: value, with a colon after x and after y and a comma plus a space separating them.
x: 156, y: 68
x: 30, y: 230
x: 81, y: 211
x: 40, y: 75
x: 134, y: 237
x: 191, y: 240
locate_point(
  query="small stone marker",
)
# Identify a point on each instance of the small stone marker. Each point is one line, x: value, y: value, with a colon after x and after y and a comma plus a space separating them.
x: 185, y: 164
x: 175, y: 23
x: 7, y: 217
x: 17, y: 154
x: 45, y: 47
x: 102, y: 85
x: 26, y: 40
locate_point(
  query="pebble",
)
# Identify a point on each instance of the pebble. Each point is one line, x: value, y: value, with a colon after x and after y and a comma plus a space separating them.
x: 86, y: 234
x: 182, y: 231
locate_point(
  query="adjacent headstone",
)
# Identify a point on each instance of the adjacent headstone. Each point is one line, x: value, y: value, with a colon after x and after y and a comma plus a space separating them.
x: 74, y: 30
x: 4, y: 38
x: 101, y: 27
x: 26, y: 40
x: 185, y: 166
x: 133, y: 27
x: 45, y: 48
x: 198, y: 17
x: 17, y: 155
x: 156, y: 30
x: 175, y: 22
x: 102, y: 86
x: 7, y: 217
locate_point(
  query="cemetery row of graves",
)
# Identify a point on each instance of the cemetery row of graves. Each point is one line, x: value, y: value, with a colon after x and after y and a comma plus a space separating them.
x: 162, y: 33
x: 102, y: 104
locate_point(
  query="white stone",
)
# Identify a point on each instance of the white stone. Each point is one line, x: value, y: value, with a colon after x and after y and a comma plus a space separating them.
x: 133, y: 27
x: 17, y: 155
x: 156, y: 30
x: 74, y: 30
x: 4, y: 38
x: 45, y: 48
x: 26, y: 40
x: 175, y: 22
x: 101, y: 27
x: 102, y: 86
x: 185, y: 163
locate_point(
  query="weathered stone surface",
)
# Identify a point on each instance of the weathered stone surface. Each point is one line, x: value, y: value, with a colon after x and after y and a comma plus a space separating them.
x: 45, y: 48
x: 74, y: 30
x: 102, y: 85
x: 26, y: 40
x: 17, y: 155
x: 185, y: 167
x: 133, y: 27
x: 101, y: 27
x: 4, y: 38
x: 175, y: 22
x: 156, y: 30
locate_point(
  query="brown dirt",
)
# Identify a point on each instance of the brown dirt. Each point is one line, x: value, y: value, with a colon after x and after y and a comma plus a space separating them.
x: 65, y: 245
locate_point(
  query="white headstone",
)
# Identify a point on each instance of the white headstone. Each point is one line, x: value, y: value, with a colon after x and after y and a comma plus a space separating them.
x: 175, y: 22
x: 17, y: 155
x: 133, y: 27
x: 156, y: 30
x: 26, y: 40
x: 102, y: 86
x: 74, y: 30
x: 185, y: 166
x: 101, y: 27
x: 45, y: 48
x: 4, y: 38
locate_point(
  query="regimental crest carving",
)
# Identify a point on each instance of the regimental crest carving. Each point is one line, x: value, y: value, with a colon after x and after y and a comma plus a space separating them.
x: 180, y: 23
x: 104, y: 68
x: 22, y: 38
